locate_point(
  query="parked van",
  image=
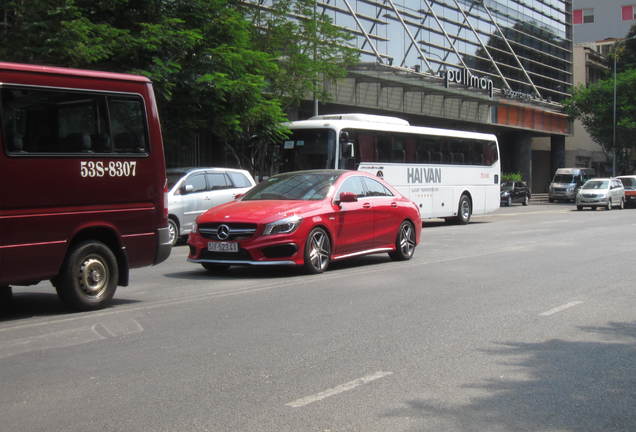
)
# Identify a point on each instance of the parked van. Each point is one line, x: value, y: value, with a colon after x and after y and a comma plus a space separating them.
x: 84, y: 192
x: 567, y: 182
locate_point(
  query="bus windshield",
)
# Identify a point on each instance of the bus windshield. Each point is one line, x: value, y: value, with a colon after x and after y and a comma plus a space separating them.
x: 307, y: 149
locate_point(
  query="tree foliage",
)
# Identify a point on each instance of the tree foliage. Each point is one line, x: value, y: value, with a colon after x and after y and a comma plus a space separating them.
x: 307, y: 47
x: 594, y: 105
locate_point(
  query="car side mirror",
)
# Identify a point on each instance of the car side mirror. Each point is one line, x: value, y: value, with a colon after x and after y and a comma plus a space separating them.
x: 239, y: 196
x: 187, y: 189
x: 346, y: 197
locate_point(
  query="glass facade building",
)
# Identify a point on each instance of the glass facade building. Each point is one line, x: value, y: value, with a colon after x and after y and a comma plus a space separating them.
x: 522, y: 45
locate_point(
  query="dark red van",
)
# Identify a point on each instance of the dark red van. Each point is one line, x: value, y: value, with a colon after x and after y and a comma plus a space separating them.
x: 82, y: 181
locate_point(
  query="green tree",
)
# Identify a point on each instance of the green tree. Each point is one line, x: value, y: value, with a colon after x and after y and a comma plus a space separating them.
x: 208, y: 76
x: 308, y: 48
x: 594, y: 106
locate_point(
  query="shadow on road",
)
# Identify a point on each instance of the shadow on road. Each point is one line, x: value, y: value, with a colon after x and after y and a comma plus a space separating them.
x: 27, y: 305
x: 274, y: 272
x: 567, y: 386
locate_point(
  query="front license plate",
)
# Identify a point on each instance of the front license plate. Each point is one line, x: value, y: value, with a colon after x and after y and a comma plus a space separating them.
x: 223, y: 246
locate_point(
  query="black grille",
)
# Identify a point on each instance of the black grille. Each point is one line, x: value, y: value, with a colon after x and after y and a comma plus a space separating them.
x: 242, y: 255
x: 280, y: 251
x: 236, y: 230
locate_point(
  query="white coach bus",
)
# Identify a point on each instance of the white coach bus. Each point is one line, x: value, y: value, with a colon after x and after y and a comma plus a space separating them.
x: 450, y: 174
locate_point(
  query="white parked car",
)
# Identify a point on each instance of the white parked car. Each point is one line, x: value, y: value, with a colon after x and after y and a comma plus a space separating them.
x: 601, y: 192
x: 192, y: 191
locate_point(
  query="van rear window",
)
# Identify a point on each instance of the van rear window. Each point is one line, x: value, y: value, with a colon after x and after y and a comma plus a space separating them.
x: 67, y: 122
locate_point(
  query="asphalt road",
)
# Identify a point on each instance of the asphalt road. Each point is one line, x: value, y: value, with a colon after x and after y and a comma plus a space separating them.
x: 523, y: 320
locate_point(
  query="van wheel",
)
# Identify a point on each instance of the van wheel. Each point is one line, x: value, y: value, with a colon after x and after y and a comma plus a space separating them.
x: 579, y: 208
x: 173, y: 230
x: 6, y: 297
x: 317, y: 251
x: 609, y: 204
x: 404, y: 243
x: 89, y: 276
x: 464, y: 210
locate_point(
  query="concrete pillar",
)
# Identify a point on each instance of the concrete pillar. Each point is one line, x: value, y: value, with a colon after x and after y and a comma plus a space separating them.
x: 524, y: 157
x: 557, y: 153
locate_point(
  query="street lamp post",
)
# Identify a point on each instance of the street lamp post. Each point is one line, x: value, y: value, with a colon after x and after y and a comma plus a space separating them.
x: 614, y: 108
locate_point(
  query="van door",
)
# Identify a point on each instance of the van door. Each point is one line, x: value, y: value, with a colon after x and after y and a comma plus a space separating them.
x: 219, y: 189
x: 194, y: 198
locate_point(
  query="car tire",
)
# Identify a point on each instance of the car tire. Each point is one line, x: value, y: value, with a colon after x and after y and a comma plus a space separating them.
x: 464, y: 210
x: 609, y: 204
x: 215, y: 268
x: 317, y: 251
x: 622, y: 204
x: 550, y: 199
x: 526, y: 200
x: 89, y: 276
x: 509, y: 202
x: 404, y: 243
x: 579, y: 208
x: 6, y: 298
x: 173, y: 230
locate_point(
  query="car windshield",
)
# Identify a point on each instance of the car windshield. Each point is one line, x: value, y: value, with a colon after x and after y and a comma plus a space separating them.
x: 507, y: 186
x: 596, y: 184
x: 563, y: 178
x: 629, y: 182
x: 312, y: 186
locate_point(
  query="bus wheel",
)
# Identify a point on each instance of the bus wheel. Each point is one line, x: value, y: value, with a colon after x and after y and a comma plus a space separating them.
x: 464, y: 210
x: 317, y: 251
x: 405, y: 243
x: 89, y: 275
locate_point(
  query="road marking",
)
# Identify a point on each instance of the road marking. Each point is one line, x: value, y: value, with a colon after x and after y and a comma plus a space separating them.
x: 337, y: 390
x: 560, y: 308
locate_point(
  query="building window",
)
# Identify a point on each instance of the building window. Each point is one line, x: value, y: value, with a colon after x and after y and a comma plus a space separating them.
x: 629, y: 12
x: 583, y: 16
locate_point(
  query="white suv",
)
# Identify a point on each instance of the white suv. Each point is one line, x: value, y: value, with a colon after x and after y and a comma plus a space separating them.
x: 194, y: 190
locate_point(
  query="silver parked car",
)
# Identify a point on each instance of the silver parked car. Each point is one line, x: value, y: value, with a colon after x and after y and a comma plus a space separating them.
x: 601, y: 192
x: 192, y: 191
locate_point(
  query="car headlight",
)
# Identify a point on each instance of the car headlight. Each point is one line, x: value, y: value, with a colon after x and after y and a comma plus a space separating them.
x: 283, y: 226
x: 571, y: 188
x: 505, y: 194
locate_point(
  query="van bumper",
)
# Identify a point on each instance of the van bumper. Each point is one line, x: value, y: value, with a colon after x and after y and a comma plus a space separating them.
x: 163, y: 245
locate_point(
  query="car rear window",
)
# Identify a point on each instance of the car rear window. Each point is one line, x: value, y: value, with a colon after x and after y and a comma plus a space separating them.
x: 239, y: 179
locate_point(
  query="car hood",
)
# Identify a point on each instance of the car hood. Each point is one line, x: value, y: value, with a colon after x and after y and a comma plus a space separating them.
x: 262, y: 211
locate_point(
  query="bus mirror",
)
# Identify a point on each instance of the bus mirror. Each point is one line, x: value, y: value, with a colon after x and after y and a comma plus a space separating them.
x: 348, y: 150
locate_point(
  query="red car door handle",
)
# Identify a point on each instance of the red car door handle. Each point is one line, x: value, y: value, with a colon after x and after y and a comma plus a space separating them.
x: 393, y: 204
x: 366, y: 205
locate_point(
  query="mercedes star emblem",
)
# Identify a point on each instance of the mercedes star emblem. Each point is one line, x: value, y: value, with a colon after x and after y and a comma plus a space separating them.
x: 223, y: 232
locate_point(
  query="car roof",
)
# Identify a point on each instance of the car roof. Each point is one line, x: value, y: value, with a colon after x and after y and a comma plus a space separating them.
x: 187, y: 170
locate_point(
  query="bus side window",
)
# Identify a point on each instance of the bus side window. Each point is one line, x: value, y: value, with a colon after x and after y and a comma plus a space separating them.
x: 366, y: 145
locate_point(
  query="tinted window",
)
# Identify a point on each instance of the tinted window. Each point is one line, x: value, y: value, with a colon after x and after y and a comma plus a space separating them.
x: 239, y: 179
x: 57, y: 121
x: 293, y: 186
x: 197, y: 181
x: 308, y: 149
x: 127, y: 125
x: 217, y: 181
x: 353, y: 184
x: 375, y: 188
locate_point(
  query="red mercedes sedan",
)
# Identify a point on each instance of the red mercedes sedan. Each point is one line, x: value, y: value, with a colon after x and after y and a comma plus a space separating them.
x: 307, y: 218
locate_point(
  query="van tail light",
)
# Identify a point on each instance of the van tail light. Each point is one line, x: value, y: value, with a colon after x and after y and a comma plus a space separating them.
x: 165, y: 203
